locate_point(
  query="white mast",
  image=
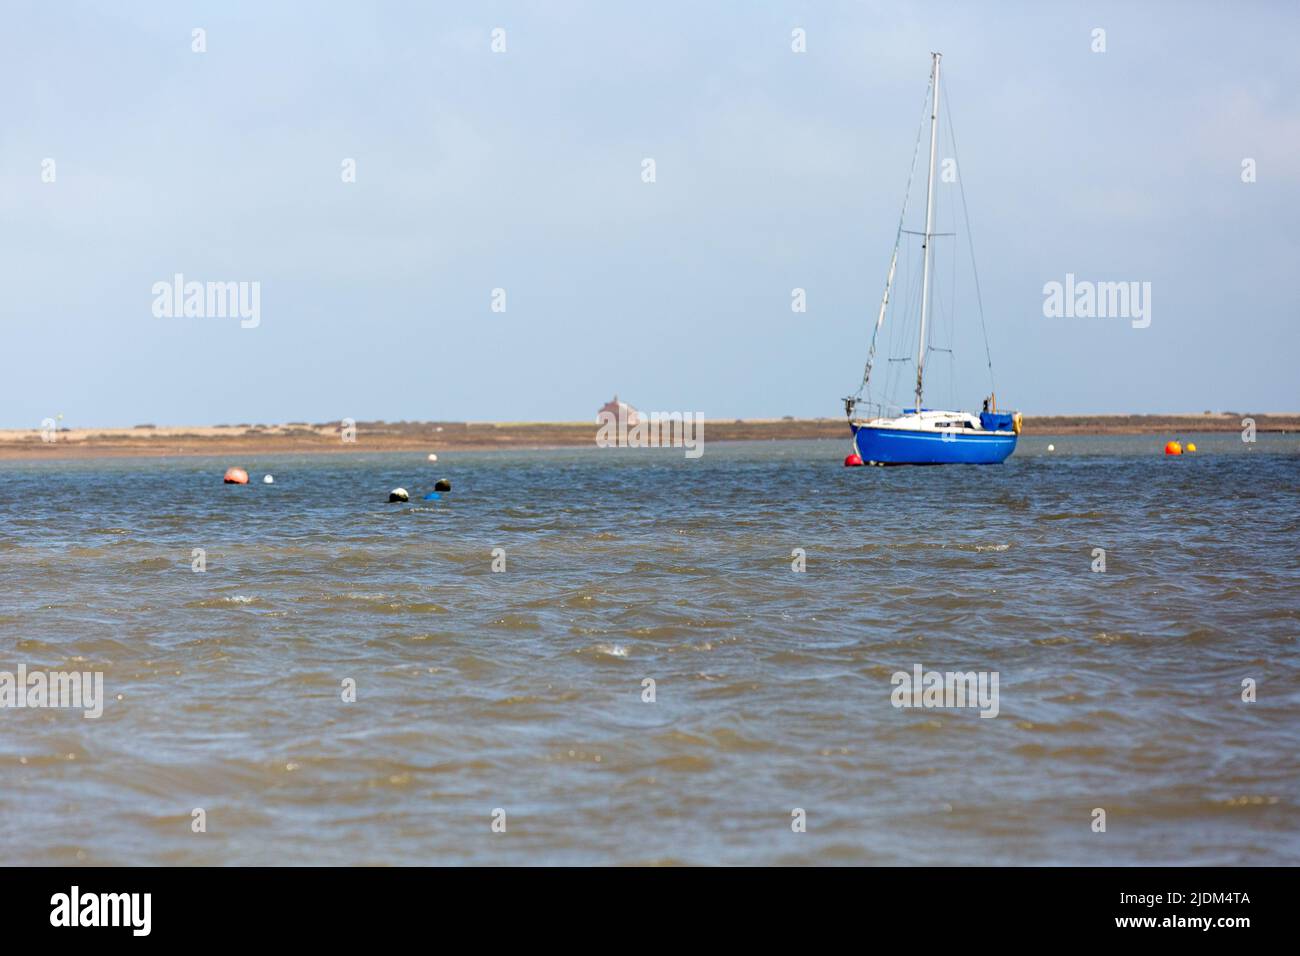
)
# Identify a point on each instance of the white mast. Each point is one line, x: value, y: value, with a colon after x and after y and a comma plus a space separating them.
x: 929, y: 225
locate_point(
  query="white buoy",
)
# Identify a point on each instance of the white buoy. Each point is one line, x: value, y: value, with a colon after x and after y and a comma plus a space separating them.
x: 268, y: 480
x: 399, y: 494
x: 432, y: 457
x: 1051, y: 448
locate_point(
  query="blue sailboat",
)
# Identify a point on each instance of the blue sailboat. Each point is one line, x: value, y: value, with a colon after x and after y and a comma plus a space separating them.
x: 920, y: 435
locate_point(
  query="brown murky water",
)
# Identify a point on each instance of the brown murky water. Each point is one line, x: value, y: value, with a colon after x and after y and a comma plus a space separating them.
x: 522, y: 690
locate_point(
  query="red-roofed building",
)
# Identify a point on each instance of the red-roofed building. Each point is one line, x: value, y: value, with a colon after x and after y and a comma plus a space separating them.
x: 621, y: 410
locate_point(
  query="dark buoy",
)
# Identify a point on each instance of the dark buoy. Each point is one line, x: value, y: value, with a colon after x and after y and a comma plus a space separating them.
x: 442, y: 484
x: 399, y: 494
x: 853, y: 460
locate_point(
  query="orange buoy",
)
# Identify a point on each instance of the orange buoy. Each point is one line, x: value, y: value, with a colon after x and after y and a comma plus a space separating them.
x: 236, y: 476
x: 1173, y: 448
x: 853, y: 460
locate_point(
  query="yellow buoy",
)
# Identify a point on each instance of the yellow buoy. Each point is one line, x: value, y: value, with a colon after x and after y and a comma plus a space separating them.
x: 1190, y: 446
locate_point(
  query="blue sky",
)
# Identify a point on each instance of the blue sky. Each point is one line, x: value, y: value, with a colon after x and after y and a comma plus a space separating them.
x: 522, y: 170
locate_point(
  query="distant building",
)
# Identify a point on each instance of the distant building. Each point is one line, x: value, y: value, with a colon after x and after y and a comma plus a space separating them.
x: 621, y: 410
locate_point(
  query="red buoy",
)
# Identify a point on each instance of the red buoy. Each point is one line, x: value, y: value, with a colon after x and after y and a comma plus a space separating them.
x: 853, y: 460
x: 1173, y: 448
x: 236, y: 476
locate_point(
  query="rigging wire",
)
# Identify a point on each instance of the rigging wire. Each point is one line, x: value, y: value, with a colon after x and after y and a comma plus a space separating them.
x: 851, y: 401
x: 970, y: 237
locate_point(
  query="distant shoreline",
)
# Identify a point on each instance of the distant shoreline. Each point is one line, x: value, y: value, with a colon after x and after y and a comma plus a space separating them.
x: 304, y: 438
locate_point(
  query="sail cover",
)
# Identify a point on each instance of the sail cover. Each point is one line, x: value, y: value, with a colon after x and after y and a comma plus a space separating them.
x: 997, y: 421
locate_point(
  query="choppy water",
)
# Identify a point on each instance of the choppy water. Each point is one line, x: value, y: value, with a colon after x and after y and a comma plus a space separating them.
x: 522, y: 690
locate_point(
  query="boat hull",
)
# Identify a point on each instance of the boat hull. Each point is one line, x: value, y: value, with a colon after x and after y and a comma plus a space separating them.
x: 901, y: 446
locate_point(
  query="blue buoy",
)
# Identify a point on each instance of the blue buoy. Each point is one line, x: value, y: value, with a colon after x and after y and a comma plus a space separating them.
x: 431, y: 496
